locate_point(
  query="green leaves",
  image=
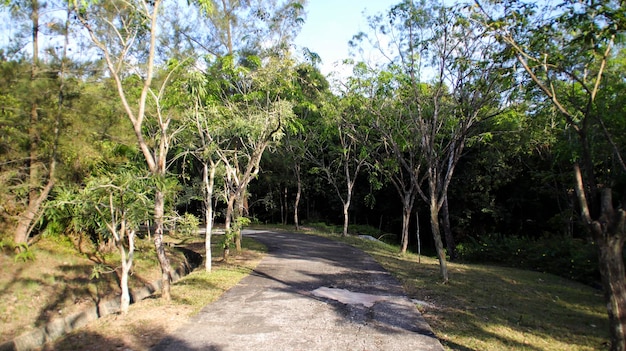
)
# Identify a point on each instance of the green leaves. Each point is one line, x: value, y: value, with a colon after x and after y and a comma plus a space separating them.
x: 108, y: 203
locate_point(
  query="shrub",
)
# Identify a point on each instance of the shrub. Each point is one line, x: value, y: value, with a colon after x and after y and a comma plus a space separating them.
x: 563, y: 256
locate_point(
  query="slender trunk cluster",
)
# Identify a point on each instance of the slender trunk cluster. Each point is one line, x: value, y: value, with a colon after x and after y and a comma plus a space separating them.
x: 296, y: 219
x: 208, y: 180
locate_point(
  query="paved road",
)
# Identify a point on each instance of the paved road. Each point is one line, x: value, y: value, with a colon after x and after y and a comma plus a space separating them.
x: 308, y: 293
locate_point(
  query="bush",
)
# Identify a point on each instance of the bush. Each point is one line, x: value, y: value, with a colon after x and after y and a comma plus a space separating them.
x: 563, y: 256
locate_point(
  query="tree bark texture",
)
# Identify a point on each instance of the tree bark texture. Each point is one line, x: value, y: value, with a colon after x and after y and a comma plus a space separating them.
x: 441, y: 254
x: 166, y: 275
x: 228, y: 225
x: 406, y: 219
x: 346, y: 217
x: 127, y: 263
x: 296, y: 203
x: 609, y: 233
x: 447, y: 229
x: 209, y: 181
x: 238, y: 213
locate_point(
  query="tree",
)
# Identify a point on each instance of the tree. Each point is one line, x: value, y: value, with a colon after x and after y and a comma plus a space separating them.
x: 115, y: 205
x: 39, y: 167
x: 226, y: 27
x: 568, y: 54
x: 125, y: 34
x: 448, y: 85
x: 204, y: 152
x: 310, y: 89
x: 339, y: 147
x: 250, y: 110
x: 400, y: 159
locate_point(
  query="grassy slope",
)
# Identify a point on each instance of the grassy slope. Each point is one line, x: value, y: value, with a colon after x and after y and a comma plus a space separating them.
x: 59, y: 282
x: 496, y: 308
x: 152, y: 319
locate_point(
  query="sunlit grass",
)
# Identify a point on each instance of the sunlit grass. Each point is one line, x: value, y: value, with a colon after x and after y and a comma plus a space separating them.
x: 496, y: 308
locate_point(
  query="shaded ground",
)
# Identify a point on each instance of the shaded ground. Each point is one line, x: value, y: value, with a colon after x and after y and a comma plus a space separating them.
x: 59, y: 280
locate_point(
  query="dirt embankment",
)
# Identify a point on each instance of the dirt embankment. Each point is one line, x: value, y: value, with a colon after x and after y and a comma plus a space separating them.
x: 68, y: 284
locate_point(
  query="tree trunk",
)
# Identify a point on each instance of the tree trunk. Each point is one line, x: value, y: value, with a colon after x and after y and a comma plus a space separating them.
x: 228, y: 225
x: 283, y: 213
x: 33, y: 132
x: 406, y: 219
x: 166, y: 276
x: 26, y: 219
x: 611, y: 262
x: 346, y: 217
x: 209, y: 181
x: 609, y: 234
x: 434, y: 222
x: 127, y: 263
x: 298, y: 194
x: 34, y: 199
x: 125, y: 296
x: 450, y: 244
x: 285, y: 204
x: 237, y: 215
x: 419, y: 239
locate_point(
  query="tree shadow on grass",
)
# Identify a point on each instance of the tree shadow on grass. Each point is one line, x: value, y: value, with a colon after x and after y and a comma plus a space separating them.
x: 517, y: 309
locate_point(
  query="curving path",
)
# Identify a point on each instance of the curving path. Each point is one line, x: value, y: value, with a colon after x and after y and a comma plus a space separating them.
x: 308, y: 293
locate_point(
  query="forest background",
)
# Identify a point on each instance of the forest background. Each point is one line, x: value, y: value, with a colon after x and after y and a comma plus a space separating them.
x: 490, y: 132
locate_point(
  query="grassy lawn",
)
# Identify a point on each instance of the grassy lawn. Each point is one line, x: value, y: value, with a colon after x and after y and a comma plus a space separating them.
x: 496, y: 308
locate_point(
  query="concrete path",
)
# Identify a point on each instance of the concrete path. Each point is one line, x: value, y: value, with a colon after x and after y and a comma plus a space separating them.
x: 308, y: 293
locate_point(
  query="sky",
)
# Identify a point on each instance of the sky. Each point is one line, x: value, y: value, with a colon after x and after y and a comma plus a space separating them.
x: 330, y: 24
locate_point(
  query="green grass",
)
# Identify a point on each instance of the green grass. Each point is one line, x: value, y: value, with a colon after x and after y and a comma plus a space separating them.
x: 496, y: 308
x: 58, y: 281
x: 200, y: 287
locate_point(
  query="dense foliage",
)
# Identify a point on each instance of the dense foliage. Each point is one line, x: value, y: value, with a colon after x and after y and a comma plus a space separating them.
x: 461, y: 142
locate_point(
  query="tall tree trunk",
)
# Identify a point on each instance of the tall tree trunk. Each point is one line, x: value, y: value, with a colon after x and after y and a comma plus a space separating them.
x: 434, y: 223
x: 346, y: 217
x: 418, y: 237
x: 283, y: 213
x: 239, y: 208
x: 609, y: 233
x: 209, y: 181
x: 450, y: 243
x: 33, y: 130
x: 228, y: 225
x: 298, y: 194
x: 611, y: 263
x: 407, y: 208
x: 285, y: 204
x: 33, y: 163
x: 127, y: 263
x: 166, y: 275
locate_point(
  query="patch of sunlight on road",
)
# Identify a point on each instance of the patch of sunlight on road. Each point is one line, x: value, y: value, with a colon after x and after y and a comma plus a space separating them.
x: 348, y: 297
